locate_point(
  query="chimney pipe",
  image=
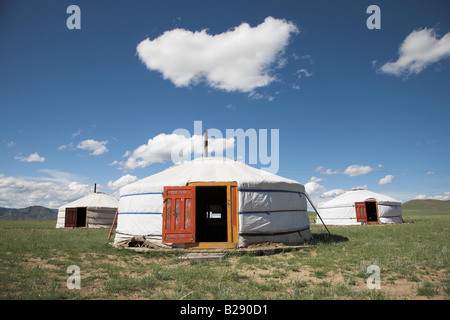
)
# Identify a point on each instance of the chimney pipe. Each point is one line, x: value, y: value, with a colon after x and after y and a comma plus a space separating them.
x: 205, y: 150
x: 95, y: 188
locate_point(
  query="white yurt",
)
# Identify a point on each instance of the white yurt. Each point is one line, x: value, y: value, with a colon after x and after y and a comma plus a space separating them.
x: 213, y: 202
x: 96, y: 210
x: 358, y: 206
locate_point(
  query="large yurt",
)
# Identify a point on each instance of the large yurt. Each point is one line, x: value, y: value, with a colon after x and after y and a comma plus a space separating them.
x: 96, y: 210
x: 213, y: 202
x: 358, y: 207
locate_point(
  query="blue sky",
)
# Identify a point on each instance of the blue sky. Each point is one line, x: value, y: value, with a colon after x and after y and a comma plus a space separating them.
x: 353, y: 106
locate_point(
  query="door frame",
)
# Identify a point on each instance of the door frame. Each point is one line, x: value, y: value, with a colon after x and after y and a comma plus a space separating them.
x: 85, y: 213
x: 74, y: 219
x: 376, y: 209
x: 232, y: 216
x: 361, y: 211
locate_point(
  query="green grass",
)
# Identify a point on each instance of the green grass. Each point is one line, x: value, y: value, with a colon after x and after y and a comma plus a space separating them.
x: 413, y: 259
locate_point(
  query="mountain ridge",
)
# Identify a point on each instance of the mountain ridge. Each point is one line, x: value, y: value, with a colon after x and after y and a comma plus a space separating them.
x: 28, y: 213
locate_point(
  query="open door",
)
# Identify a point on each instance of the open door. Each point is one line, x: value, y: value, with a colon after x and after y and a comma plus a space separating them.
x: 372, y: 211
x: 203, y: 215
x: 360, y: 208
x: 211, y: 214
x: 367, y: 211
x: 71, y: 218
x: 76, y: 217
x: 179, y: 215
x: 81, y: 217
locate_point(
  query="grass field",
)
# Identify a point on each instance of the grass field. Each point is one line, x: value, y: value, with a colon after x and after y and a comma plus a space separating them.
x: 413, y: 259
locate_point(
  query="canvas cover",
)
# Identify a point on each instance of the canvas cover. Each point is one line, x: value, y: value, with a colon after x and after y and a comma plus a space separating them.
x: 101, y: 209
x: 270, y: 207
x: 341, y: 210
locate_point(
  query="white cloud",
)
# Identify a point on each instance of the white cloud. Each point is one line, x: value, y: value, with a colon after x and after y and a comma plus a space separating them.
x: 239, y: 59
x: 312, y: 186
x: 445, y: 196
x: 121, y: 182
x: 357, y: 170
x: 420, y: 49
x: 68, y: 146
x: 49, y: 192
x: 332, y: 193
x: 97, y: 147
x: 322, y: 170
x: 76, y: 133
x: 34, y: 157
x: 387, y: 179
x: 352, y: 171
x: 57, y: 176
x: 171, y: 147
x: 257, y: 96
x: 305, y: 72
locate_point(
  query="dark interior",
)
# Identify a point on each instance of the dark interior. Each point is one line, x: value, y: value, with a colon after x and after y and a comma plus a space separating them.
x: 81, y: 217
x: 211, y: 214
x: 371, y: 211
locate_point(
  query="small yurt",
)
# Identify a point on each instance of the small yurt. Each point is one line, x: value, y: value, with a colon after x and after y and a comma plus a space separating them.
x: 213, y: 202
x: 96, y: 210
x: 358, y: 207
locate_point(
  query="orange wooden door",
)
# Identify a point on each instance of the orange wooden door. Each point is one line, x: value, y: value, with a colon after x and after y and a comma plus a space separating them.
x: 179, y: 215
x: 71, y: 218
x: 361, y: 214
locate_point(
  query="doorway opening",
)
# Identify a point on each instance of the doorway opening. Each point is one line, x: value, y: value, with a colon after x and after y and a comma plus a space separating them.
x: 211, y: 214
x: 367, y: 211
x: 76, y: 217
x: 371, y: 211
x: 201, y: 214
x: 81, y: 217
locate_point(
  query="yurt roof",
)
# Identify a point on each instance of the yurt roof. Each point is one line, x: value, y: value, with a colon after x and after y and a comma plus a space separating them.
x: 350, y: 197
x: 94, y: 200
x: 212, y: 169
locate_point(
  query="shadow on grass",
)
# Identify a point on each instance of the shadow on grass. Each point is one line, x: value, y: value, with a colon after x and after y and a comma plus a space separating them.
x: 326, y: 238
x: 271, y: 249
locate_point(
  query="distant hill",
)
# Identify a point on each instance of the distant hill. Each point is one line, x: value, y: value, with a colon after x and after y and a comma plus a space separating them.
x: 428, y: 205
x: 30, y: 213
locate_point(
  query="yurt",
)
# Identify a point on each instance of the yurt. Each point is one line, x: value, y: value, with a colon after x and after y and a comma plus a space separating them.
x: 213, y: 202
x: 358, y: 207
x: 96, y: 210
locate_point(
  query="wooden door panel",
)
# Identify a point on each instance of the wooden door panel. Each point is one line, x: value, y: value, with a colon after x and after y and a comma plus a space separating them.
x: 361, y: 214
x: 71, y: 218
x: 179, y: 215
